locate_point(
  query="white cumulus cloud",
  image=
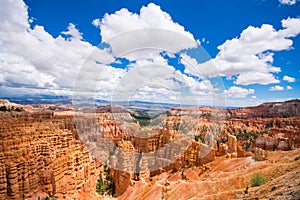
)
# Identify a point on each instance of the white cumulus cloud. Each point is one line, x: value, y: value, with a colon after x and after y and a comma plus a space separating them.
x: 141, y: 38
x: 151, y: 16
x: 276, y: 88
x: 72, y: 32
x: 152, y: 27
x: 287, y: 2
x: 250, y: 57
x: 34, y: 59
x: 96, y: 22
x: 289, y: 87
x: 289, y: 79
x: 238, y: 92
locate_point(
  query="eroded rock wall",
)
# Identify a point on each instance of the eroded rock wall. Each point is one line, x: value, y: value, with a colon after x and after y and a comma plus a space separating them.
x: 39, y: 153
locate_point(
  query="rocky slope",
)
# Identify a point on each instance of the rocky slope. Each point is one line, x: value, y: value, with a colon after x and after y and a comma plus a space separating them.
x: 225, y: 178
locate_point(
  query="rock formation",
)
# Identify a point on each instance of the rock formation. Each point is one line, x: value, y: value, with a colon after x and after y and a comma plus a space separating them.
x: 267, y: 110
x: 48, y: 148
x: 38, y: 153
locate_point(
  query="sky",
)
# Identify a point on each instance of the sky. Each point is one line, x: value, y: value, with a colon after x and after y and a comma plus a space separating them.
x: 231, y: 53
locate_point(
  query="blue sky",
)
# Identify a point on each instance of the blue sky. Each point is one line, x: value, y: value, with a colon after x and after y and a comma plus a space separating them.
x: 254, y: 47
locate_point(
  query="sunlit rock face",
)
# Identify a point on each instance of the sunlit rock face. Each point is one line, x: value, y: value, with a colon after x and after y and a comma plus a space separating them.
x: 40, y: 153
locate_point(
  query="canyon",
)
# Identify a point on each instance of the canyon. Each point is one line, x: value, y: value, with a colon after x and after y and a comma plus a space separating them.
x: 51, y: 150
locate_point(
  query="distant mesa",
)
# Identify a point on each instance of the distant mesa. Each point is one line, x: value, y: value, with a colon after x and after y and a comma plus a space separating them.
x: 270, y: 109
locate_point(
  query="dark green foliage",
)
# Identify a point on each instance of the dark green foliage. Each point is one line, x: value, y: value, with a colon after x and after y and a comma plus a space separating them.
x: 180, y: 126
x: 143, y: 122
x: 264, y: 132
x: 105, y: 184
x: 19, y: 109
x: 297, y: 158
x: 144, y: 118
x: 168, y: 113
x: 199, y: 137
x: 269, y: 125
x: 176, y: 126
x: 193, y: 165
x: 207, y: 115
x: 4, y: 109
x: 100, y: 186
x: 257, y: 180
x: 204, y: 129
x: 253, y: 135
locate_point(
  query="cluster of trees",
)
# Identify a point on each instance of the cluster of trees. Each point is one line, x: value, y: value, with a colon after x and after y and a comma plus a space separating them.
x: 48, y: 198
x: 199, y: 137
x: 253, y: 135
x: 9, y: 109
x: 105, y: 184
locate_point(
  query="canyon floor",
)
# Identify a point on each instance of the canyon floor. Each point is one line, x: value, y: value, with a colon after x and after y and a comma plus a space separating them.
x: 226, y: 179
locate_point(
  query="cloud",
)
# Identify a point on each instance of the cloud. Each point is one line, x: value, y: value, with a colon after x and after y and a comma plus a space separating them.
x: 14, y: 16
x: 32, y: 58
x: 17, y: 72
x: 289, y: 79
x: 96, y: 22
x: 152, y: 27
x: 291, y: 26
x: 238, y: 92
x: 250, y: 56
x: 151, y: 16
x: 277, y: 88
x: 289, y: 87
x: 143, y: 39
x: 255, y: 77
x: 72, y: 32
x: 287, y: 2
x: 151, y: 81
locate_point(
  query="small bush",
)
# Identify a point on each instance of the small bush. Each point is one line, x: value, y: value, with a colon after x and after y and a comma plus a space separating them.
x: 3, y: 108
x: 100, y: 186
x: 246, y: 191
x: 297, y: 158
x: 258, y: 180
x: 198, y: 137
